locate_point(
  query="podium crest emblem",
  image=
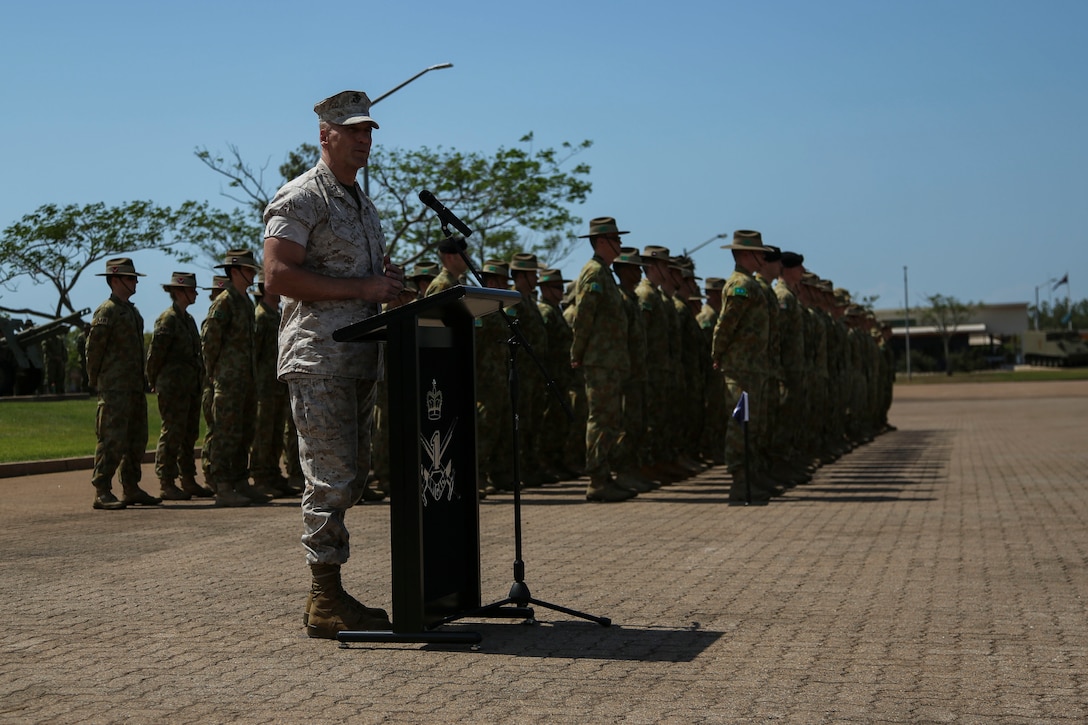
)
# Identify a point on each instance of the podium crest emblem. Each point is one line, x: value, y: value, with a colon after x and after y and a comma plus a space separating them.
x: 434, y: 402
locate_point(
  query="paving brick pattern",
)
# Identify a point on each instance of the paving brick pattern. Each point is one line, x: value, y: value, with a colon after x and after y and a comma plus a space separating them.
x: 935, y: 575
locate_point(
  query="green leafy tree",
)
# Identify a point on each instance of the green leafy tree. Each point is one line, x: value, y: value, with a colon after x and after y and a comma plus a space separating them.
x: 516, y: 199
x: 946, y: 314
x: 1061, y: 315
x: 56, y: 244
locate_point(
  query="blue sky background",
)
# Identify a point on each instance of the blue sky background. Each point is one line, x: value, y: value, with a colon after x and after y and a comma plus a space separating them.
x: 948, y: 137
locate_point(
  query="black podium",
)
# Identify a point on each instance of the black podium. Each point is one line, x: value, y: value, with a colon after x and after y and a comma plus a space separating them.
x: 434, y: 509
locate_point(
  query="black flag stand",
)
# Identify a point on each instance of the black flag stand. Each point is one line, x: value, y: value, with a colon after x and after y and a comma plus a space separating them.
x: 517, y: 604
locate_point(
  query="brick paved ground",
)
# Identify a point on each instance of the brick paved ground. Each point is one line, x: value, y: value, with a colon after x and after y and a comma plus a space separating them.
x: 935, y: 575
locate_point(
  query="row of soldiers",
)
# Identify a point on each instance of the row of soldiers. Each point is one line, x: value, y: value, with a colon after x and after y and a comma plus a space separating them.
x: 225, y: 372
x: 653, y: 369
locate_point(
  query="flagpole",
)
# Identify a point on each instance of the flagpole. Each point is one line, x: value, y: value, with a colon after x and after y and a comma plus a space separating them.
x: 906, y: 318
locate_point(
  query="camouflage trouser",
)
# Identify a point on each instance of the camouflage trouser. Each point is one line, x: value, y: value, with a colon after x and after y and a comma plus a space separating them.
x: 554, y: 429
x: 657, y: 407
x: 604, y: 425
x: 630, y: 450
x: 735, y: 458
x: 206, y: 396
x: 575, y: 454
x: 493, y: 433
x: 714, y: 418
x: 226, y: 453
x: 121, y: 427
x: 334, y: 418
x: 531, y: 391
x: 180, y: 413
x: 267, y: 445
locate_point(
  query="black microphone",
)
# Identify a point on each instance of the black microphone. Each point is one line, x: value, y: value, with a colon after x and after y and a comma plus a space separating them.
x: 444, y: 215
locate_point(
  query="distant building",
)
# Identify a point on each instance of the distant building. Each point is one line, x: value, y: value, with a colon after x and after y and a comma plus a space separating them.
x: 987, y: 331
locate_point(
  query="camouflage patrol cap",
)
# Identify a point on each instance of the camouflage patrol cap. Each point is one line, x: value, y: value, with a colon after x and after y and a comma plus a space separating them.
x: 120, y: 267
x: 747, y: 239
x: 525, y: 263
x: 239, y: 258
x: 657, y: 252
x: 792, y: 259
x: 826, y: 286
x: 629, y: 255
x: 811, y: 279
x: 714, y: 283
x: 424, y: 270
x: 601, y: 226
x: 181, y: 280
x: 346, y: 108
x: 496, y: 267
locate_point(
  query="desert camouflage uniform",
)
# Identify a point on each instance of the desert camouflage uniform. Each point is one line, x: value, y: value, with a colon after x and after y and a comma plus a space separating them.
x: 115, y: 368
x: 332, y: 385
x: 175, y: 370
x: 600, y: 345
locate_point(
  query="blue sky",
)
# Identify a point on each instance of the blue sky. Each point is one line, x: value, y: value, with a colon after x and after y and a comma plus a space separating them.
x: 947, y: 137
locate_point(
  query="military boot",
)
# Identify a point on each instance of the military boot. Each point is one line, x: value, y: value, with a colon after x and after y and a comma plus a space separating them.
x: 256, y: 494
x: 633, y: 482
x: 168, y: 491
x: 227, y: 497
x: 105, y: 500
x: 136, y: 496
x: 194, y: 489
x: 329, y: 609
x: 603, y: 489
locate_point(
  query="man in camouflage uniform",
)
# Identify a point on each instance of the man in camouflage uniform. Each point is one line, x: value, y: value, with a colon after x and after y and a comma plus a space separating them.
x: 227, y: 344
x: 628, y: 267
x: 453, y: 271
x: 792, y: 325
x: 532, y: 387
x: 325, y: 254
x: 740, y: 350
x: 56, y: 361
x: 267, y: 445
x: 599, y: 350
x: 115, y: 368
x: 493, y: 418
x: 175, y: 370
x: 555, y: 425
x: 712, y: 438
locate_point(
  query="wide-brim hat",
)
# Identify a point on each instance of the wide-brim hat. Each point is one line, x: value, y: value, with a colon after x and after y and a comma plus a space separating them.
x: 219, y: 282
x: 239, y: 258
x: 602, y: 226
x: 424, y: 270
x: 525, y: 262
x: 120, y: 266
x: 552, y: 276
x: 346, y: 108
x: 496, y: 267
x: 181, y: 280
x: 630, y: 256
x: 714, y: 283
x: 656, y: 251
x: 747, y: 239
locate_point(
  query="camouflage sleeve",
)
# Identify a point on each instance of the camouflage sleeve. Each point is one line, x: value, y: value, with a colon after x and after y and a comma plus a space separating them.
x: 733, y: 303
x: 162, y: 340
x: 211, y: 335
x: 586, y: 301
x: 98, y: 339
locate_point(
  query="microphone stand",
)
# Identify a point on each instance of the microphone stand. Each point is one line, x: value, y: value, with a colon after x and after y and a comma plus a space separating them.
x: 516, y: 604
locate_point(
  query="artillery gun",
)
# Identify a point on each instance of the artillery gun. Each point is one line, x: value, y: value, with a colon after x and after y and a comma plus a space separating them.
x: 21, y: 366
x: 1055, y: 348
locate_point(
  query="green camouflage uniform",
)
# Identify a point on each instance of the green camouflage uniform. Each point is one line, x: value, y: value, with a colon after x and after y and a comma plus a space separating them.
x: 791, y: 326
x: 532, y: 389
x: 493, y: 417
x: 656, y: 314
x: 175, y: 370
x: 227, y: 344
x: 115, y: 368
x: 631, y: 451
x: 740, y: 352
x: 272, y: 406
x: 555, y: 425
x: 600, y: 346
x: 714, y: 418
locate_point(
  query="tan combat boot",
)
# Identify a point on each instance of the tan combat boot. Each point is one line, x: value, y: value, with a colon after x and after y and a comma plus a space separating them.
x: 602, y: 489
x: 168, y: 491
x: 227, y: 497
x: 329, y: 609
x: 134, y: 495
x: 194, y: 489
